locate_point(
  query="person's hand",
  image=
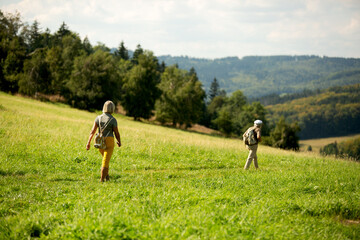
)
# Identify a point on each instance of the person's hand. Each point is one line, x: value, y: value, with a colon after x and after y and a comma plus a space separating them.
x: 88, y: 146
x: 119, y: 144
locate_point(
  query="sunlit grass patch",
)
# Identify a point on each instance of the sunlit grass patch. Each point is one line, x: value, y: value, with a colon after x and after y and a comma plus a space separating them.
x: 164, y: 184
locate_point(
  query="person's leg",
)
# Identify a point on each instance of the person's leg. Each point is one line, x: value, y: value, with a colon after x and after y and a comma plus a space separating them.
x: 252, y: 154
x: 104, y: 172
x: 102, y: 168
x: 255, y: 162
x: 101, y: 152
x: 255, y: 156
x: 249, y: 159
x: 106, y: 158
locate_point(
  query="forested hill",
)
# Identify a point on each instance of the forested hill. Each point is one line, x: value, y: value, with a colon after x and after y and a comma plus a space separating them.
x: 258, y: 76
x: 331, y: 112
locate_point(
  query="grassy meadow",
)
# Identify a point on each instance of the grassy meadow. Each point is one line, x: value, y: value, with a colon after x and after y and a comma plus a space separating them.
x: 165, y: 183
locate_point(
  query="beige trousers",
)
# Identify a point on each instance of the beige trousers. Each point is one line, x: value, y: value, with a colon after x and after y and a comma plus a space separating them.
x: 252, y: 156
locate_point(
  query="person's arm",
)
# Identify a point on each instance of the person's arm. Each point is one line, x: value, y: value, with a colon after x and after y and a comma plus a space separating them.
x: 92, y: 133
x: 117, y: 135
x: 258, y: 135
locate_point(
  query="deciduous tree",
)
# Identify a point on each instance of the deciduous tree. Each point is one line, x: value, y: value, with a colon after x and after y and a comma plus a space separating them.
x: 12, y: 51
x: 285, y: 135
x: 182, y: 99
x: 140, y: 87
x: 93, y: 81
x: 36, y: 76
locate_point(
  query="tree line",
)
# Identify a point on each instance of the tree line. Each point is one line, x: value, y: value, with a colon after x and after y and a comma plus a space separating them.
x: 40, y: 63
x: 37, y: 63
x: 347, y: 149
x: 327, y: 113
x: 233, y: 115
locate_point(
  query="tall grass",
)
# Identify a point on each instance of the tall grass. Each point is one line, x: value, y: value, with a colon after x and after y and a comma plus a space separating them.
x: 165, y: 184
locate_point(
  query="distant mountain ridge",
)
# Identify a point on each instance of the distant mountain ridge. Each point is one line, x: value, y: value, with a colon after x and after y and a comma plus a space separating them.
x: 259, y: 76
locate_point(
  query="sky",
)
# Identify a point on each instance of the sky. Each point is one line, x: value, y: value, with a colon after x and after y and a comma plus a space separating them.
x: 206, y: 28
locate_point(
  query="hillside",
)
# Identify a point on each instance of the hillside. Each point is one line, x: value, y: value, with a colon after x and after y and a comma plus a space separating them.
x: 165, y: 184
x: 332, y: 112
x: 258, y: 76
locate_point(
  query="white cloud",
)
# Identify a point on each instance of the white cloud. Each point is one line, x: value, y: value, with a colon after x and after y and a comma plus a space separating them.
x: 207, y: 28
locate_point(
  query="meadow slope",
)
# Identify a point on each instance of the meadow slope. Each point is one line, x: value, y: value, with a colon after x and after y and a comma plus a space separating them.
x: 165, y: 184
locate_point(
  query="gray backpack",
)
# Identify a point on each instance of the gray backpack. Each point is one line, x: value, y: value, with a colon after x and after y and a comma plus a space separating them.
x: 99, y: 137
x: 250, y: 137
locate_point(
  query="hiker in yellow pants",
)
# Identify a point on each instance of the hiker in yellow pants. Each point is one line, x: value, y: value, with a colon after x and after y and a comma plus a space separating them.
x: 107, y: 124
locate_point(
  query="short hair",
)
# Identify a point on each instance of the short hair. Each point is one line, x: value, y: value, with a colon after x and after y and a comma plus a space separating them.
x: 109, y: 107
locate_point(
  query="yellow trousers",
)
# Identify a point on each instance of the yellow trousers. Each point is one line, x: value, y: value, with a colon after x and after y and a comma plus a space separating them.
x: 106, y: 153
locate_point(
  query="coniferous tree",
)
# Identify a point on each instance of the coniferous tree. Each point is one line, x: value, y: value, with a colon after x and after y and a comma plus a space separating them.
x: 122, y: 52
x: 62, y: 32
x: 162, y: 67
x: 35, y: 40
x: 214, y: 89
x: 138, y: 51
x: 87, y: 46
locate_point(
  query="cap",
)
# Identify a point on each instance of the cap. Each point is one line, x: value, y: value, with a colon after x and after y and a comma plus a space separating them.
x: 258, y: 122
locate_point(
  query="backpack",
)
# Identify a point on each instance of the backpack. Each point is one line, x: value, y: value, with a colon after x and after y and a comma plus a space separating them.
x: 250, y: 137
x: 99, y: 137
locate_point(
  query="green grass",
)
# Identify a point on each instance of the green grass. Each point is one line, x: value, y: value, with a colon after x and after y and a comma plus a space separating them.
x: 165, y: 184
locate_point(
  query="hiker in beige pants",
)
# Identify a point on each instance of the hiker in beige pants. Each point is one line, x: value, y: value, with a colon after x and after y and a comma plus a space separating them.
x: 252, y: 156
x: 253, y: 148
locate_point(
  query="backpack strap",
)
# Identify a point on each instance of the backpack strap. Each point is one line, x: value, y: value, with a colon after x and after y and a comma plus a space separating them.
x: 255, y: 135
x: 107, y: 123
x: 249, y: 129
x: 100, y: 131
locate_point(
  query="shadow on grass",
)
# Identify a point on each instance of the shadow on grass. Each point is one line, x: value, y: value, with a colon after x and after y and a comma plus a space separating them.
x: 114, y: 177
x: 10, y: 173
x: 150, y: 170
x: 65, y: 180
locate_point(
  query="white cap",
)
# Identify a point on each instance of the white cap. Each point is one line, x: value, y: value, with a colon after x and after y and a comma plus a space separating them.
x: 258, y: 122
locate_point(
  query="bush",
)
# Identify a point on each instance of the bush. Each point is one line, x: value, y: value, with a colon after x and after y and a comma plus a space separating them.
x: 284, y: 136
x: 351, y: 149
x: 348, y: 149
